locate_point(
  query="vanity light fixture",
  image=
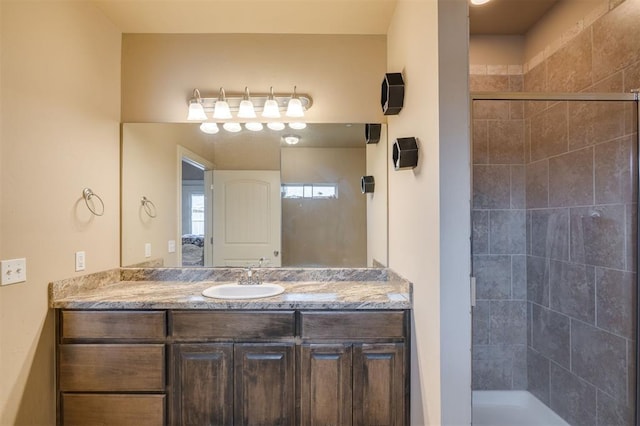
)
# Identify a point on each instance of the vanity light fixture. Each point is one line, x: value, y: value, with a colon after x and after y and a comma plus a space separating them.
x: 479, y: 2
x: 275, y: 125
x: 246, y: 106
x: 196, y: 110
x: 221, y: 109
x: 294, y: 107
x: 209, y: 127
x: 298, y: 125
x: 291, y: 139
x: 232, y: 127
x: 254, y: 126
x: 271, y: 108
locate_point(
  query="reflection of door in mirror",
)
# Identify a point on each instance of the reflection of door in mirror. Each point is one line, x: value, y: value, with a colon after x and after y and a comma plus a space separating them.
x: 246, y: 217
x: 194, y: 209
x: 193, y: 214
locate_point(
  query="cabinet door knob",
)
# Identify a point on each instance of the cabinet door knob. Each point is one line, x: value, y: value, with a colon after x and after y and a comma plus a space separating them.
x: 276, y: 253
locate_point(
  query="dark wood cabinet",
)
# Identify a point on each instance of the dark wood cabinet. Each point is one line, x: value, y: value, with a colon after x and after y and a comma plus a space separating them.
x: 190, y: 367
x: 378, y: 384
x: 203, y: 384
x: 326, y: 384
x: 264, y: 385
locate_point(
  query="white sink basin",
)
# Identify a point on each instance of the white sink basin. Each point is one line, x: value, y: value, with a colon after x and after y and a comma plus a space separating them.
x: 237, y: 291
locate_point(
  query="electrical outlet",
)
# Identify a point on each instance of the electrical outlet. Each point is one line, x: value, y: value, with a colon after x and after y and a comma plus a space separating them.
x: 80, y: 261
x: 13, y: 271
x: 172, y: 246
x: 147, y: 250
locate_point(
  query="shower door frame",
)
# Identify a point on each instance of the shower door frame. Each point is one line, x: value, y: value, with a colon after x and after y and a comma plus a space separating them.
x: 633, y: 96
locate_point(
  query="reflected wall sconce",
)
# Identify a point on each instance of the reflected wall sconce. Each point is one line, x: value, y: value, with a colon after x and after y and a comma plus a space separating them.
x: 367, y: 184
x: 405, y: 153
x: 270, y: 107
x: 372, y: 132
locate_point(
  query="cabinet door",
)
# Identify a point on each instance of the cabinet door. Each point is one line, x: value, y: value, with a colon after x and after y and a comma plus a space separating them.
x: 264, y: 384
x: 325, y: 384
x: 203, y: 384
x: 378, y: 384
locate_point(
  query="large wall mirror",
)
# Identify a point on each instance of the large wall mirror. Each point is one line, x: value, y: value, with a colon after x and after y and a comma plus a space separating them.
x: 193, y: 199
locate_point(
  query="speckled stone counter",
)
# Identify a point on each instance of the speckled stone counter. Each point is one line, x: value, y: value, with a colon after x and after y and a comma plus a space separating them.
x: 181, y: 288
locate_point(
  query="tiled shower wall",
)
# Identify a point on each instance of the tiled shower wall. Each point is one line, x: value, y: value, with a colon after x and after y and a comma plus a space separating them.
x: 499, y: 240
x: 579, y: 229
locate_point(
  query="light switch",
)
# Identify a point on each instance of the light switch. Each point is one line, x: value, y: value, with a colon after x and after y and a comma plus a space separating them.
x: 80, y: 261
x: 172, y: 246
x: 147, y: 250
x: 13, y: 271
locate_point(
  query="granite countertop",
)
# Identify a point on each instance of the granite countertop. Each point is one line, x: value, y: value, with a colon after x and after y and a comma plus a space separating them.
x: 179, y: 288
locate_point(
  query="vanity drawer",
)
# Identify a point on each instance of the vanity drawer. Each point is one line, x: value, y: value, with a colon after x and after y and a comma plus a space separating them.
x: 111, y: 368
x: 352, y: 325
x: 113, y: 325
x: 230, y: 325
x: 104, y: 409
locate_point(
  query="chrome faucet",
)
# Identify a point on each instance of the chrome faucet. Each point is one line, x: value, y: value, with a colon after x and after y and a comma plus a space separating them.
x: 251, y: 277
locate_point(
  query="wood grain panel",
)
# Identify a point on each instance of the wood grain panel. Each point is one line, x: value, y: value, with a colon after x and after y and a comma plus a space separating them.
x: 325, y: 384
x: 378, y: 384
x: 204, y: 384
x: 232, y: 325
x: 352, y: 325
x: 113, y: 410
x: 264, y: 384
x: 111, y: 367
x: 113, y: 325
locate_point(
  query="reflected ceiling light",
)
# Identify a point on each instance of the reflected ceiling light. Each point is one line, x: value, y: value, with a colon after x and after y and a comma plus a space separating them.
x: 246, y: 106
x: 271, y: 108
x: 209, y: 128
x: 298, y: 125
x: 221, y: 109
x: 291, y: 139
x: 196, y: 110
x: 479, y: 2
x: 232, y: 127
x: 294, y: 107
x: 275, y: 125
x: 254, y: 126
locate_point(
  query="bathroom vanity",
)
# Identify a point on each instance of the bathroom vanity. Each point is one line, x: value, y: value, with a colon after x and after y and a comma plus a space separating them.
x: 136, y: 349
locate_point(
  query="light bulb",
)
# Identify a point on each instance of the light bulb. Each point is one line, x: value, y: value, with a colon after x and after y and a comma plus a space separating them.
x: 221, y: 110
x: 479, y: 2
x: 298, y: 125
x: 294, y: 107
x: 254, y: 126
x: 196, y: 112
x: 271, y: 108
x: 275, y: 125
x: 246, y: 106
x: 232, y: 127
x: 209, y: 128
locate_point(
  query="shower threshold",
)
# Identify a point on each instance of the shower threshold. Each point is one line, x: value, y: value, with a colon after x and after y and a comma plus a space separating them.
x: 512, y: 408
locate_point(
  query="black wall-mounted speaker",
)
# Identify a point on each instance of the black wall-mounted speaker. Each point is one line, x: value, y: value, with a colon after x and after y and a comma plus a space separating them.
x: 392, y: 96
x: 367, y: 184
x: 372, y: 132
x: 405, y: 153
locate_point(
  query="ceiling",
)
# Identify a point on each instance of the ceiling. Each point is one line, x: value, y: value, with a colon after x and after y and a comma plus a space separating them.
x: 499, y: 17
x: 507, y: 17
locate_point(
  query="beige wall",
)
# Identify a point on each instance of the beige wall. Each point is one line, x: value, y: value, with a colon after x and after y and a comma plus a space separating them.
x: 565, y: 16
x: 377, y: 235
x: 342, y: 73
x: 413, y: 195
x: 503, y: 50
x: 60, y: 112
x: 325, y: 232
